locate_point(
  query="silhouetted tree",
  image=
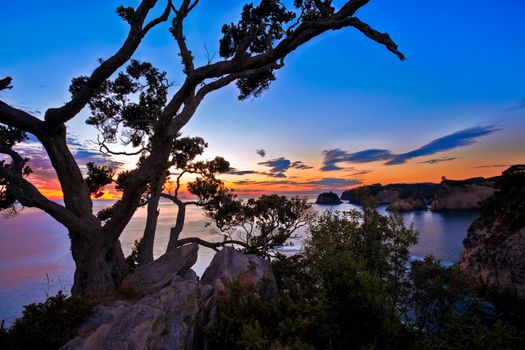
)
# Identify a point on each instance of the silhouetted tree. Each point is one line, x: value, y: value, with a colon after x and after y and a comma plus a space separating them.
x: 135, y: 107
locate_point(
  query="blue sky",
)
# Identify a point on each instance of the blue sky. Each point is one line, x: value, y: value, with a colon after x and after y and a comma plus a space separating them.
x: 464, y: 70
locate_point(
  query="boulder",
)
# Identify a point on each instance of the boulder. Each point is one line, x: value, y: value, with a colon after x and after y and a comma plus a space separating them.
x: 157, y: 274
x: 227, y: 266
x: 173, y: 308
x: 163, y: 320
x: 231, y: 265
x: 328, y: 198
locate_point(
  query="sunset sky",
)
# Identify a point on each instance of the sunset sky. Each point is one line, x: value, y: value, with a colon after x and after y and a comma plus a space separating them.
x: 343, y: 111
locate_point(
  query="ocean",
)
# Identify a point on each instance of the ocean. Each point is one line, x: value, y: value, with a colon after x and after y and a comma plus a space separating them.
x: 35, y: 260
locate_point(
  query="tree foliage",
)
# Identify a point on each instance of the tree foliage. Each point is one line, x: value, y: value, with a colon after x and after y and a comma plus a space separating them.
x: 137, y: 113
x: 334, y: 296
x: 261, y: 224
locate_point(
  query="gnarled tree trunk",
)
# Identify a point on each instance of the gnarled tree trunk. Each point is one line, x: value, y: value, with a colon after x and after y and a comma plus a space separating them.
x: 100, y: 266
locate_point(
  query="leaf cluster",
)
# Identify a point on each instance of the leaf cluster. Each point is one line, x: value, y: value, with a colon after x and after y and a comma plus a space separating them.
x: 263, y: 223
x: 132, y: 101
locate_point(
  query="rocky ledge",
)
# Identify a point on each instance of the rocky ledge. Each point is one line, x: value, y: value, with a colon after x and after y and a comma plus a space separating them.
x: 463, y: 195
x: 399, y: 197
x: 328, y: 198
x: 494, y: 255
x: 167, y: 306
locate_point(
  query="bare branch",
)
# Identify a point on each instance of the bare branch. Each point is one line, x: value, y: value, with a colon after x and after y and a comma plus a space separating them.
x: 160, y: 19
x: 56, y: 116
x: 20, y: 119
x: 190, y: 106
x: 382, y: 38
x: 178, y: 33
x: 212, y: 245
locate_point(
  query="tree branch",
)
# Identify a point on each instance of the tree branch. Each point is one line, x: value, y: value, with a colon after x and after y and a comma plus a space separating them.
x: 20, y: 119
x: 29, y: 196
x: 190, y: 106
x: 212, y: 245
x: 178, y: 33
x: 56, y: 116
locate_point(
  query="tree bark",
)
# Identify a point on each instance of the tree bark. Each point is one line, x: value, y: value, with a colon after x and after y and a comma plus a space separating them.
x: 100, y: 266
x: 148, y: 239
x: 179, y: 224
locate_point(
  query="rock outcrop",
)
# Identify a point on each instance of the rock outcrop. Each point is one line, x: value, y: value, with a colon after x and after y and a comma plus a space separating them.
x: 449, y: 195
x: 154, y: 276
x: 171, y: 308
x: 328, y: 198
x: 407, y: 204
x: 494, y: 255
x: 462, y: 195
x: 403, y: 195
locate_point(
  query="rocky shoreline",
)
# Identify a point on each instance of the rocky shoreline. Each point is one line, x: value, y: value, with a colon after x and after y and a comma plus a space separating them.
x: 466, y: 194
x: 166, y: 305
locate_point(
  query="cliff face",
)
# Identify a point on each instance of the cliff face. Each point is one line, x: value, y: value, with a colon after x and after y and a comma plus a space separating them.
x: 399, y: 196
x: 494, y: 255
x: 462, y: 195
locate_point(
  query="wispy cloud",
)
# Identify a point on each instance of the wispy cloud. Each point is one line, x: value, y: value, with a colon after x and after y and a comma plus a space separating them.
x: 261, y: 152
x: 281, y: 165
x: 317, y: 184
x: 517, y: 106
x: 492, y: 166
x: 333, y: 157
x: 438, y: 160
x: 234, y: 171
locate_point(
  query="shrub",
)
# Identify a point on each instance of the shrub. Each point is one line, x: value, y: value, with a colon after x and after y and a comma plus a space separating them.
x: 47, y: 325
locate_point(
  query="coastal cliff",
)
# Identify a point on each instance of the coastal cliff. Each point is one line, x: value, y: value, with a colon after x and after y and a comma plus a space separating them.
x: 399, y: 197
x: 462, y: 194
x: 448, y: 195
x: 494, y: 255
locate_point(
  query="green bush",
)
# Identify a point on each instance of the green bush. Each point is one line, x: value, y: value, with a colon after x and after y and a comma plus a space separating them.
x: 47, y: 325
x: 352, y: 289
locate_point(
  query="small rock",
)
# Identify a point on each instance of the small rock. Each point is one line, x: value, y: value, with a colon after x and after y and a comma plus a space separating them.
x: 328, y: 198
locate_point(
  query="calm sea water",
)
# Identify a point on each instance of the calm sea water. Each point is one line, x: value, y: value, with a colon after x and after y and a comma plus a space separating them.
x: 35, y: 260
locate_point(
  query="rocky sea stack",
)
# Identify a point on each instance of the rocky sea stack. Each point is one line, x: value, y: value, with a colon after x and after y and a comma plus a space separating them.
x: 328, y: 198
x: 494, y: 255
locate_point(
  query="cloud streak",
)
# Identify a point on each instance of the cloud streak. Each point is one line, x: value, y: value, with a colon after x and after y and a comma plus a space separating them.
x: 438, y: 160
x: 279, y: 166
x: 461, y: 138
x: 320, y: 184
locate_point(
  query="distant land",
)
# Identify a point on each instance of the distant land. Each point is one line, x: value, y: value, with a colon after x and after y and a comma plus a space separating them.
x: 467, y: 194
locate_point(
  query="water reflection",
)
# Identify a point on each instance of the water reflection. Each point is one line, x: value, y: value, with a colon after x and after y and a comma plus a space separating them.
x: 35, y: 259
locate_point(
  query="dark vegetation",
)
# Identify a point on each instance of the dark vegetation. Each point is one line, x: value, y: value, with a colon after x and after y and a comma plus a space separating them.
x: 47, y: 325
x: 424, y: 190
x: 507, y: 204
x: 352, y: 289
